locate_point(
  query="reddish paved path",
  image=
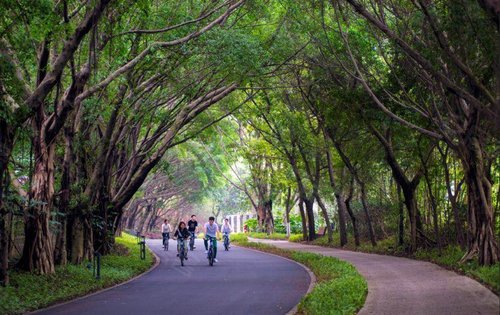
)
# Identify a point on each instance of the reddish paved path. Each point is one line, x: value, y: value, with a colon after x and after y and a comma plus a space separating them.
x: 405, y: 286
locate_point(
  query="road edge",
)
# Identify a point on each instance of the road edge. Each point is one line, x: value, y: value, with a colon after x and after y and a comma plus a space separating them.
x: 312, y: 276
x: 153, y: 267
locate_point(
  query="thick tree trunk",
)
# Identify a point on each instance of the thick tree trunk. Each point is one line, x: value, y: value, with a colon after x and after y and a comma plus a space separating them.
x: 269, y: 222
x: 38, y: 252
x: 61, y: 255
x: 77, y: 240
x: 481, y: 236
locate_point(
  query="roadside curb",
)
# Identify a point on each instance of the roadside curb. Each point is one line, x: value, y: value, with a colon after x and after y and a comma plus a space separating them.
x: 312, y: 277
x: 153, y: 267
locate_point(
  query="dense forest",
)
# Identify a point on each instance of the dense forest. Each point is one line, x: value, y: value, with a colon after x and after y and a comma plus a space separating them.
x: 380, y: 116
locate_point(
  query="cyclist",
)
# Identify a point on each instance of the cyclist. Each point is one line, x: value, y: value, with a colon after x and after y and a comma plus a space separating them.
x: 181, y: 234
x: 211, y: 229
x: 226, y: 228
x: 193, y: 226
x: 165, y: 230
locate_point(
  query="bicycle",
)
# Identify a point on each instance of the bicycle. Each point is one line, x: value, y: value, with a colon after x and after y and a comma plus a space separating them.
x: 211, y: 252
x: 182, y: 254
x: 165, y: 241
x: 226, y: 242
x: 191, y: 240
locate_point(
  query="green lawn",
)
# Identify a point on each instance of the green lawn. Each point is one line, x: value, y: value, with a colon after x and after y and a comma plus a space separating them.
x: 29, y: 292
x: 340, y: 289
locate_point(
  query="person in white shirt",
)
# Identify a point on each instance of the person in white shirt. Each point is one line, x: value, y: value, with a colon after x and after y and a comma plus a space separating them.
x: 165, y: 231
x: 226, y: 228
x: 211, y: 229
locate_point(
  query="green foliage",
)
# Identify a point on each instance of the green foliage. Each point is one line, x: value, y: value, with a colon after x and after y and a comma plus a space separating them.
x: 238, y: 237
x: 296, y: 238
x: 252, y: 224
x: 29, y: 291
x: 450, y: 257
x: 273, y: 236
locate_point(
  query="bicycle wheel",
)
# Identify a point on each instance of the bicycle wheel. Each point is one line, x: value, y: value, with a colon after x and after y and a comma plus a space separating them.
x: 181, y: 256
x: 191, y: 243
x: 166, y: 244
x: 210, y: 257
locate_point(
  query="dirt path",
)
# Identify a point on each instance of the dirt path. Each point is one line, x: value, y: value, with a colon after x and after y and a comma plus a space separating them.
x: 405, y: 286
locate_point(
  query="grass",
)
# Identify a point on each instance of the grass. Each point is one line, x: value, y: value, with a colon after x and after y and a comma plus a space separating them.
x: 340, y: 289
x: 29, y: 291
x: 273, y: 236
x: 448, y: 258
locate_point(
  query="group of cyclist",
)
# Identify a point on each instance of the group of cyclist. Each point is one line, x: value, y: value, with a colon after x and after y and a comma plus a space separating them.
x: 183, y: 232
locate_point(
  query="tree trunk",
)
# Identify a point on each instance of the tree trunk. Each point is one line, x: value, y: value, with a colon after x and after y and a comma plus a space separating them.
x: 38, y: 248
x: 452, y: 197
x: 433, y: 208
x: 6, y: 144
x: 4, y: 248
x: 351, y: 214
x: 77, y: 241
x: 369, y: 223
x: 310, y: 219
x: 401, y: 225
x: 325, y: 216
x: 481, y: 236
x: 287, y: 211
x: 304, y: 221
x: 339, y: 197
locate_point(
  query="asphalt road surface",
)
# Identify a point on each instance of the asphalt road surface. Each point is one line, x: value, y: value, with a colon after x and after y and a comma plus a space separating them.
x: 404, y: 286
x: 242, y: 282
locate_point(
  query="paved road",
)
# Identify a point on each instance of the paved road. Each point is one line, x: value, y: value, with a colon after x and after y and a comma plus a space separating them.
x: 405, y: 286
x: 243, y: 282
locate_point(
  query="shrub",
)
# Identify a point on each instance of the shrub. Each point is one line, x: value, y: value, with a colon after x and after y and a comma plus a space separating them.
x: 296, y: 238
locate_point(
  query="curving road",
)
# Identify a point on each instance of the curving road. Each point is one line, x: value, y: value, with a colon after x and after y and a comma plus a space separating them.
x: 404, y: 286
x: 243, y: 282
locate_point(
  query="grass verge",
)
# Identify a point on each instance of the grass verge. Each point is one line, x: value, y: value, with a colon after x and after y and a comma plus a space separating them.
x: 29, y: 291
x: 448, y: 258
x: 273, y: 236
x: 340, y: 289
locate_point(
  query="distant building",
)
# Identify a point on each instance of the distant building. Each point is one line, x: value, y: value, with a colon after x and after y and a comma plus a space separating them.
x: 237, y: 221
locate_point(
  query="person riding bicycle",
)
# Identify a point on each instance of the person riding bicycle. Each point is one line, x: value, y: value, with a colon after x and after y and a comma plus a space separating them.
x: 226, y: 228
x: 165, y: 230
x: 193, y: 227
x: 211, y: 229
x: 182, y: 234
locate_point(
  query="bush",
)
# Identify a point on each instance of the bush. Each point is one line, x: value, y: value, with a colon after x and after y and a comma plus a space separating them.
x: 29, y: 291
x: 252, y: 224
x: 296, y: 238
